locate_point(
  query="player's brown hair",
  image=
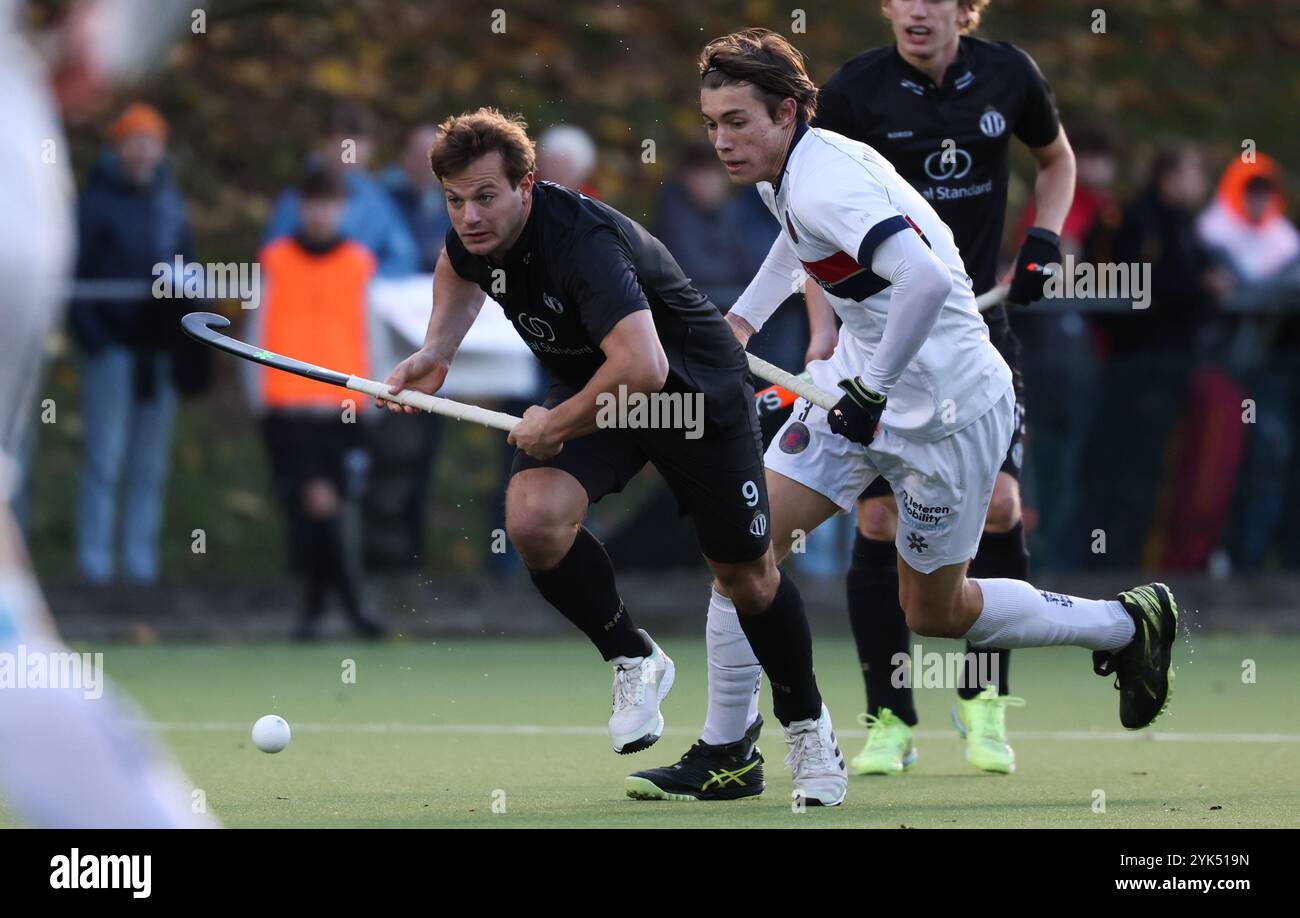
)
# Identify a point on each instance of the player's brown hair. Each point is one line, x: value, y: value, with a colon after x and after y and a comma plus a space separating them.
x: 974, y: 9
x: 466, y: 137
x: 765, y: 60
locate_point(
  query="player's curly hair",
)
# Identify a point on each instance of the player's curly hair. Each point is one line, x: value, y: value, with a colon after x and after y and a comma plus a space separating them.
x: 765, y: 60
x: 974, y: 9
x: 464, y: 138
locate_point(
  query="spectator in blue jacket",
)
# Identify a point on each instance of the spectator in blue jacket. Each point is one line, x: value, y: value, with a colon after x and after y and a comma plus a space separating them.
x: 131, y: 217
x: 720, y: 238
x: 419, y: 196
x: 370, y: 215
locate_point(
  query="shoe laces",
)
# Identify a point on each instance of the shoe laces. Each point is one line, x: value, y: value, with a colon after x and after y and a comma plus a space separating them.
x: 809, y: 747
x: 629, y: 685
x: 697, y: 751
x: 991, y: 714
x: 702, y: 754
x: 878, y: 727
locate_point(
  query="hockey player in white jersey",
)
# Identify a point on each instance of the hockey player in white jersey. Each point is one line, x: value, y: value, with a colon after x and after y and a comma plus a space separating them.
x: 928, y: 405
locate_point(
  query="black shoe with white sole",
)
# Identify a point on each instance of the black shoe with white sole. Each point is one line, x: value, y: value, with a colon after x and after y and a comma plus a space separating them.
x: 706, y: 772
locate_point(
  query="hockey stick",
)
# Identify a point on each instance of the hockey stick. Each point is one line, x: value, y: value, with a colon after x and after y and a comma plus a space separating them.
x: 820, y: 397
x: 991, y: 297
x: 201, y: 326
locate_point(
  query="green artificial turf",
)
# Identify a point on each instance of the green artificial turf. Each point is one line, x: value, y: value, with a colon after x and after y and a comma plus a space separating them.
x: 436, y: 733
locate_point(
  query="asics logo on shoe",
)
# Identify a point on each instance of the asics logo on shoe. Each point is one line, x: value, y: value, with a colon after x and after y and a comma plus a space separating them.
x: 722, y: 777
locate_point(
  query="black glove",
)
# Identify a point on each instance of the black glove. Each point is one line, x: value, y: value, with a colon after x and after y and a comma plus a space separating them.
x: 857, y: 414
x: 1042, y: 248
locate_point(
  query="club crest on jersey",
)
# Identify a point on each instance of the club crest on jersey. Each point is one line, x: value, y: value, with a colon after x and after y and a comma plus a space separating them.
x: 556, y: 306
x: 796, y: 438
x: 992, y: 124
x: 758, y: 527
x: 790, y: 226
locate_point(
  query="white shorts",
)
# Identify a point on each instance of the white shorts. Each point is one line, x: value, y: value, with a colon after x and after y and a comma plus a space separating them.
x: 943, y: 487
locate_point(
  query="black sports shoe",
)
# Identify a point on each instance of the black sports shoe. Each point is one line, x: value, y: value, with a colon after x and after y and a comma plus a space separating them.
x: 1144, y: 669
x: 706, y: 772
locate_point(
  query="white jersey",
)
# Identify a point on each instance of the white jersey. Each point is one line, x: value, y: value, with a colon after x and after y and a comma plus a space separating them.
x: 836, y: 201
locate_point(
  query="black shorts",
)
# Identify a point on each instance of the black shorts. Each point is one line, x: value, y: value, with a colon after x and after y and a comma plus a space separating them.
x: 1015, y: 457
x: 717, y: 479
x: 305, y: 446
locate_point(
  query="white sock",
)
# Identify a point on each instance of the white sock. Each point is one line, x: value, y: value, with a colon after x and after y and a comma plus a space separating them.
x: 1017, y: 614
x: 734, y: 675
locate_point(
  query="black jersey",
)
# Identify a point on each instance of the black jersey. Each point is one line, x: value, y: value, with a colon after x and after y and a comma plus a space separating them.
x: 577, y: 269
x: 991, y: 91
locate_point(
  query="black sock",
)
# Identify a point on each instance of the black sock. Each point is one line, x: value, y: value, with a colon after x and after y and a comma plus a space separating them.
x: 344, y: 574
x: 1000, y: 554
x: 879, y: 625
x: 317, y: 563
x: 782, y: 643
x: 327, y: 555
x: 582, y: 588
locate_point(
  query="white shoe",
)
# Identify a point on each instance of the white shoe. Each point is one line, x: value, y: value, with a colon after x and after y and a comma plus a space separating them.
x: 820, y: 777
x: 640, y: 684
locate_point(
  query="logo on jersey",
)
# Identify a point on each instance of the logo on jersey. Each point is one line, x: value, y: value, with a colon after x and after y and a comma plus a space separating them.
x: 758, y: 528
x: 538, y: 328
x: 917, y: 543
x: 790, y: 226
x: 796, y: 438
x: 556, y: 306
x: 992, y: 124
x: 942, y: 165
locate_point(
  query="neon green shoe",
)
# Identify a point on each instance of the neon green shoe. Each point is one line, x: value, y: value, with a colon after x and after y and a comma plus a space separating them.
x: 982, y: 722
x: 889, y: 749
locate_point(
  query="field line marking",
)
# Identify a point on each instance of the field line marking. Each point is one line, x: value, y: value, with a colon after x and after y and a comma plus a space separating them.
x: 592, y: 730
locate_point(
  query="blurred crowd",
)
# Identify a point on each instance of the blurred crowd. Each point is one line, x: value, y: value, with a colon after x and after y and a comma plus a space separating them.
x: 1169, y: 431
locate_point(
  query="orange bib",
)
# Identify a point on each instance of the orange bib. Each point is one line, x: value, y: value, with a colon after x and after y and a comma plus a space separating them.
x: 316, y: 311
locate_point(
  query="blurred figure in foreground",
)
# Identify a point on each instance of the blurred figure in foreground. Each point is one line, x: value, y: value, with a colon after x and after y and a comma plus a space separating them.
x: 314, y: 302
x: 131, y: 217
x: 68, y: 757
